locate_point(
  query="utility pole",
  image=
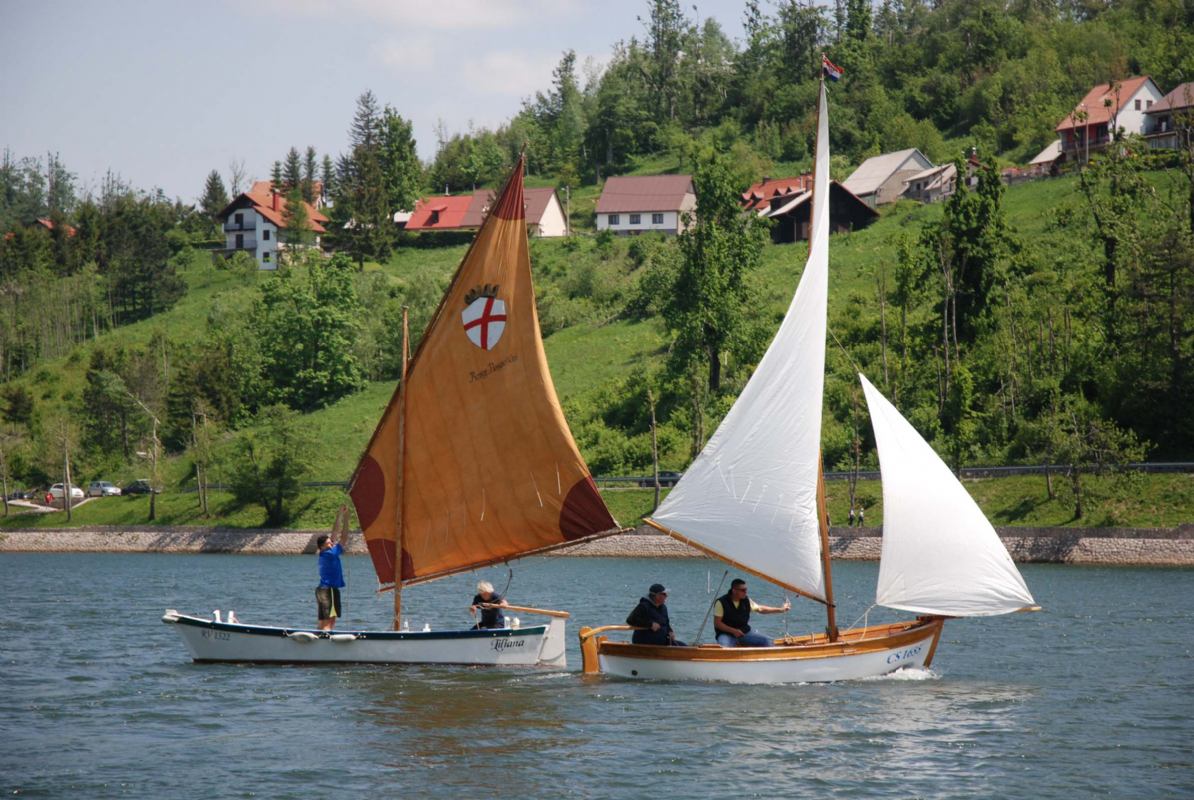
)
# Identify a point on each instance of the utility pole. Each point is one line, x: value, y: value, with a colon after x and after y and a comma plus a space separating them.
x: 654, y: 448
x: 153, y: 457
x: 66, y: 498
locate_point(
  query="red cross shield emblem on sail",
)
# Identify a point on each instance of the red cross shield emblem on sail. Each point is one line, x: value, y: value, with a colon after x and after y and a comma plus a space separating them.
x: 484, y: 317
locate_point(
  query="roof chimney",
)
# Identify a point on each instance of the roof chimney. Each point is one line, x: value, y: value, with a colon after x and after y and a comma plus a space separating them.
x: 274, y: 199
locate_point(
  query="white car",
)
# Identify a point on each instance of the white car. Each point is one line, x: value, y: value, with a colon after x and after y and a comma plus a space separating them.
x: 57, y: 492
x: 103, y: 489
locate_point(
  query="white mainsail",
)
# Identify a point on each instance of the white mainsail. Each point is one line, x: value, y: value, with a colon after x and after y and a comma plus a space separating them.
x: 751, y: 495
x: 940, y: 553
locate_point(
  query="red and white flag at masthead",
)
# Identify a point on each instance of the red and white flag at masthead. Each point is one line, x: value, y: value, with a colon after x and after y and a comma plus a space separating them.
x: 831, y: 70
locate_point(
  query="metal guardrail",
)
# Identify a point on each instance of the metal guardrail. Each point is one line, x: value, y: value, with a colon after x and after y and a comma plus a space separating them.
x: 1157, y: 467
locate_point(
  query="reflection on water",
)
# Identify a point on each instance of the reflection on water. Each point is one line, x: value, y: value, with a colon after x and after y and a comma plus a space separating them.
x: 1051, y: 705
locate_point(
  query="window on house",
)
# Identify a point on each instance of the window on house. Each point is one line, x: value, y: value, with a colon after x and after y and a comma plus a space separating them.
x: 657, y: 219
x: 636, y: 219
x: 265, y: 234
x: 1148, y: 104
x: 240, y: 241
x: 1137, y: 105
x: 265, y: 257
x: 615, y: 219
x: 240, y: 219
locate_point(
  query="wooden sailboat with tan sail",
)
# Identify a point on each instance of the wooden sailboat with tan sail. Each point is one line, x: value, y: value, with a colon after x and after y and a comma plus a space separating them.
x: 472, y: 464
x: 755, y: 499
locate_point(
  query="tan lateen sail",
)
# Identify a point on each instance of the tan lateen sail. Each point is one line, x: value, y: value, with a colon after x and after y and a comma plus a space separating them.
x: 473, y: 463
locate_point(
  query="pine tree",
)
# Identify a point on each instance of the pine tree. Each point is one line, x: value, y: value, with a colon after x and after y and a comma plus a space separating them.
x: 366, y: 124
x: 214, y: 198
x: 327, y: 176
x: 275, y: 176
x: 292, y: 172
x: 309, y: 169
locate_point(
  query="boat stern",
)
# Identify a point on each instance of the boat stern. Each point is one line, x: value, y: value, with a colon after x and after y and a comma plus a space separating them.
x: 553, y: 653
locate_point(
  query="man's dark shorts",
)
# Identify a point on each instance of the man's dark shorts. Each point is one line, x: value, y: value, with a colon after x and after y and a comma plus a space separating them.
x: 328, y: 600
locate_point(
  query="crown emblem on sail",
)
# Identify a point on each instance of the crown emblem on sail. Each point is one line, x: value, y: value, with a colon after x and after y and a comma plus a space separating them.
x: 484, y: 316
x: 488, y: 290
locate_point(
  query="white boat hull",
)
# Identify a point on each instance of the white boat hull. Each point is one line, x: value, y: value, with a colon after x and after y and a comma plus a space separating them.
x: 858, y: 655
x: 211, y: 641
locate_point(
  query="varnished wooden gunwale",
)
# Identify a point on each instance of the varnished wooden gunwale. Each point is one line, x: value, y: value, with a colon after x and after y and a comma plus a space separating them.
x: 852, y: 642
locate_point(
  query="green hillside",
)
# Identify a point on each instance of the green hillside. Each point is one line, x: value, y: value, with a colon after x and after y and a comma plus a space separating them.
x: 598, y: 354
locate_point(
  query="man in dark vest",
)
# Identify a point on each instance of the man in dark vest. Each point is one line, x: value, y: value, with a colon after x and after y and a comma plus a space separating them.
x: 651, y: 615
x: 731, y: 617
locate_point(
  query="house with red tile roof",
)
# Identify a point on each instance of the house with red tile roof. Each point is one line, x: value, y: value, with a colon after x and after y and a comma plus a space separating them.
x: 254, y: 219
x: 1171, y: 116
x: 440, y: 213
x: 544, y: 213
x: 633, y: 204
x: 788, y: 202
x: 1121, y: 105
x: 265, y: 187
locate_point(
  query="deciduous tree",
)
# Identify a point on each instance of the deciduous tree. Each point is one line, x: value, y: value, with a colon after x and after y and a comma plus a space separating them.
x: 267, y: 463
x: 708, y: 307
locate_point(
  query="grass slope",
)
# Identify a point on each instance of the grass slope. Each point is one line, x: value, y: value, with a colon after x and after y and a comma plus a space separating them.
x: 584, y: 357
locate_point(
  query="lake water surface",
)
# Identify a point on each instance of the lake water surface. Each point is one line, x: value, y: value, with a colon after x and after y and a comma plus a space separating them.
x: 1094, y: 697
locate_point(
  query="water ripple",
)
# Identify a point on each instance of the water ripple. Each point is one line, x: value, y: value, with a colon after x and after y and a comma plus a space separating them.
x: 1091, y: 698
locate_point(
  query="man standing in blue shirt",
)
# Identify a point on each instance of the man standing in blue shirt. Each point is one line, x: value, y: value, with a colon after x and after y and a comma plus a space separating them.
x: 331, y: 577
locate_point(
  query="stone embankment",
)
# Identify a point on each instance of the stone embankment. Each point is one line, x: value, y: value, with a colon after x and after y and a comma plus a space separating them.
x: 1109, y: 546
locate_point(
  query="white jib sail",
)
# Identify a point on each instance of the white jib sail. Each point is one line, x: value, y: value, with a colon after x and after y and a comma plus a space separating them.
x: 751, y: 494
x: 940, y: 553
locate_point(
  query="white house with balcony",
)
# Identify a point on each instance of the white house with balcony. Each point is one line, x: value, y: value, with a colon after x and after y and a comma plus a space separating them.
x: 1170, y: 118
x: 634, y: 204
x: 253, y: 221
x: 1122, y: 105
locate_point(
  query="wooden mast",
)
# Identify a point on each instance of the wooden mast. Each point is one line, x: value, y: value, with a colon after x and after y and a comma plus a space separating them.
x: 401, y: 470
x: 823, y: 524
x: 822, y: 514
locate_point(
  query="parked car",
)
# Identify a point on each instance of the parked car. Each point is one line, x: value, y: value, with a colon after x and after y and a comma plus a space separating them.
x: 102, y: 489
x: 140, y: 486
x: 666, y: 478
x: 21, y: 494
x: 58, y: 492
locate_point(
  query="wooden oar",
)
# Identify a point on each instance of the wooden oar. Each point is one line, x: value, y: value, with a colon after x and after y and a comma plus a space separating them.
x: 528, y: 609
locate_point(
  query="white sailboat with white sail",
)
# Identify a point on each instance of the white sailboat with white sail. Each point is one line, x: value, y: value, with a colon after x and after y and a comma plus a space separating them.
x: 754, y: 498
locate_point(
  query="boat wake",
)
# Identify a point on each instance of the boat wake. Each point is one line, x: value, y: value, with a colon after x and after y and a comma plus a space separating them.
x: 907, y: 674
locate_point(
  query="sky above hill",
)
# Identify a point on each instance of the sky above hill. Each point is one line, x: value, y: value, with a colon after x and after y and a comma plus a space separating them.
x: 163, y: 92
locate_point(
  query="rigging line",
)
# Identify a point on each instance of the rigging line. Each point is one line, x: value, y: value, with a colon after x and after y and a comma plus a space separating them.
x: 697, y: 641
x: 863, y: 616
x: 846, y: 353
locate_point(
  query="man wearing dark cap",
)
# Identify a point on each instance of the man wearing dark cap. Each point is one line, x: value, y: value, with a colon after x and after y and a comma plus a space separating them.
x: 650, y: 615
